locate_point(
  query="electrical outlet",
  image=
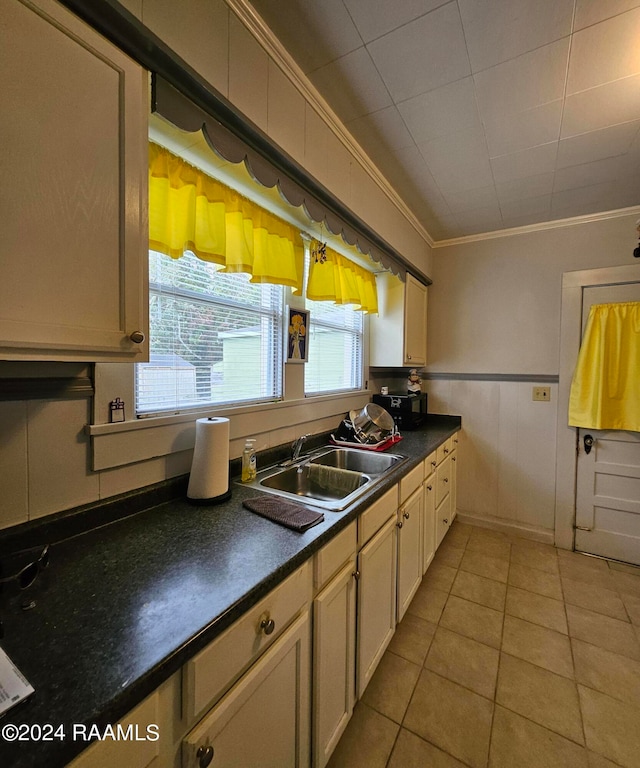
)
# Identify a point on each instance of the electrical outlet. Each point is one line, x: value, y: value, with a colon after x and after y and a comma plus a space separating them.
x: 542, y: 393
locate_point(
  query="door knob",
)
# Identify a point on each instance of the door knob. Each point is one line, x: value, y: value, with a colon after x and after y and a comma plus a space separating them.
x: 588, y: 443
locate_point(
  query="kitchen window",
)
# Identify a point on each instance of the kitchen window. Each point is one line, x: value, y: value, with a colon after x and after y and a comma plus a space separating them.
x: 221, y: 270
x: 215, y: 338
x: 336, y: 348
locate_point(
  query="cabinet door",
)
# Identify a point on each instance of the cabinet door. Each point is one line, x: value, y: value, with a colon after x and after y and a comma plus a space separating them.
x: 443, y: 480
x: 429, y: 522
x: 443, y: 518
x: 415, y: 322
x: 73, y: 131
x: 453, y: 480
x: 334, y: 641
x: 376, y: 602
x: 410, y: 521
x: 264, y: 719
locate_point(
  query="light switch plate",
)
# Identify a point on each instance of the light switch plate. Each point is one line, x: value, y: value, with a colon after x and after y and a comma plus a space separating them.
x: 542, y: 393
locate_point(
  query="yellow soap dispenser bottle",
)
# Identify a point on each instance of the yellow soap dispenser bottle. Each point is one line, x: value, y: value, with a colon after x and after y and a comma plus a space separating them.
x: 248, y: 462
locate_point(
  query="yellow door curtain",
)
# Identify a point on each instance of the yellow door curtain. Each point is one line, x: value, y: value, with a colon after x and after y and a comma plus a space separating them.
x: 605, y: 391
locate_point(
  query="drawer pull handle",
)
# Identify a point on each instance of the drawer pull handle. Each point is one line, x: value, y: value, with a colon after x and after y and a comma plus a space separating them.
x: 453, y: 458
x: 445, y: 520
x: 400, y: 524
x: 267, y: 626
x: 445, y: 479
x: 433, y: 463
x: 429, y: 487
x: 446, y: 450
x: 205, y: 756
x: 406, y: 515
x: 356, y: 575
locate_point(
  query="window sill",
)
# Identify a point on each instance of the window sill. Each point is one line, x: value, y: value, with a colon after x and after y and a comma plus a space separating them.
x: 137, y: 440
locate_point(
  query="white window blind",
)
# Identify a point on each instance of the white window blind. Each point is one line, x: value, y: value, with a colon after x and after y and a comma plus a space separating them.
x: 215, y: 338
x: 335, y: 348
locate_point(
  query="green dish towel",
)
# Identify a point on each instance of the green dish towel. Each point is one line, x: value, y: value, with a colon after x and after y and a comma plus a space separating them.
x: 287, y: 513
x: 335, y: 479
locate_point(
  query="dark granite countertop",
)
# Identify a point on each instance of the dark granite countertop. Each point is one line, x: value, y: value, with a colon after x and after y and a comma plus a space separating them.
x: 124, y: 605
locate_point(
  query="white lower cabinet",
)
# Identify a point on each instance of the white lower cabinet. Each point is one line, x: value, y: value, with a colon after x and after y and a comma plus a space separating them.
x: 445, y: 490
x: 429, y: 514
x: 334, y: 640
x: 410, y: 522
x: 264, y: 719
x: 376, y: 620
x: 443, y: 519
x: 454, y: 484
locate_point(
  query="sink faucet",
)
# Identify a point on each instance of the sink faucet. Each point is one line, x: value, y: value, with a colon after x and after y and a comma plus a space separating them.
x: 296, y: 447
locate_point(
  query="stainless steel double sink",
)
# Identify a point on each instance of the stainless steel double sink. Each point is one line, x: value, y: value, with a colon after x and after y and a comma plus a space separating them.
x: 331, y: 477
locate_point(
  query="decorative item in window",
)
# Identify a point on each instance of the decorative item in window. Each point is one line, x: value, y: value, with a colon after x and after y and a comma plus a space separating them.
x: 318, y: 251
x: 296, y: 338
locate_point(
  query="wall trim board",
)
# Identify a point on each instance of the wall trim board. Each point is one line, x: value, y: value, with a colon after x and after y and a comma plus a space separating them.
x: 540, y: 227
x: 46, y: 388
x: 496, y: 524
x: 547, y: 378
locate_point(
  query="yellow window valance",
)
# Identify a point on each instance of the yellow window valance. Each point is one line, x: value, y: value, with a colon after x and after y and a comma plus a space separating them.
x: 605, y: 391
x: 190, y: 211
x: 333, y: 277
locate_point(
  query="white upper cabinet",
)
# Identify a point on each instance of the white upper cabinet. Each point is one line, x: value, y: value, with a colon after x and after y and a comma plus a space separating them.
x: 73, y: 132
x: 399, y: 331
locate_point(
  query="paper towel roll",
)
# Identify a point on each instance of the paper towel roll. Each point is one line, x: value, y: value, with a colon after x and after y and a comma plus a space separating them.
x: 209, y: 478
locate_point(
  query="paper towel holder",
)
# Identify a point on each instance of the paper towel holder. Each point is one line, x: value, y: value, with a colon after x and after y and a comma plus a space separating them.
x: 201, y: 466
x: 213, y: 500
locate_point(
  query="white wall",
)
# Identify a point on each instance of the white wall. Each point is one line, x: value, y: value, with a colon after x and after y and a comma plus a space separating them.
x: 494, y: 308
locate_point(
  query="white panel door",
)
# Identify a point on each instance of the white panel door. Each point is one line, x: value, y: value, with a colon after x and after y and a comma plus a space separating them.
x: 608, y: 470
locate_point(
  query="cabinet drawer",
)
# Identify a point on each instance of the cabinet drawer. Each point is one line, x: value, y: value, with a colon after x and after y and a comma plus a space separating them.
x: 411, y: 482
x: 444, y: 450
x: 443, y: 480
x: 331, y: 557
x: 210, y: 673
x: 378, y: 513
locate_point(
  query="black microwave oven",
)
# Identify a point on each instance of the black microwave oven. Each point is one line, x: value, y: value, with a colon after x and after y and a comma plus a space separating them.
x: 408, y: 410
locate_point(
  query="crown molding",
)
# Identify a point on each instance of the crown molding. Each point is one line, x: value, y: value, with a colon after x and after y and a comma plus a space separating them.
x: 256, y: 25
x: 541, y: 227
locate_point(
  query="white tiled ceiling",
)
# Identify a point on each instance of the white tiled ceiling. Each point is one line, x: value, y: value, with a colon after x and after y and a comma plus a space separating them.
x: 483, y: 114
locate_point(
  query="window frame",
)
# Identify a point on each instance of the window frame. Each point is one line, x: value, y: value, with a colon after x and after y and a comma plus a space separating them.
x: 273, y: 313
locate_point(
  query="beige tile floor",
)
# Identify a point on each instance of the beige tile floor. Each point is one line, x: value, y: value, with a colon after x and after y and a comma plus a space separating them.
x: 512, y: 655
